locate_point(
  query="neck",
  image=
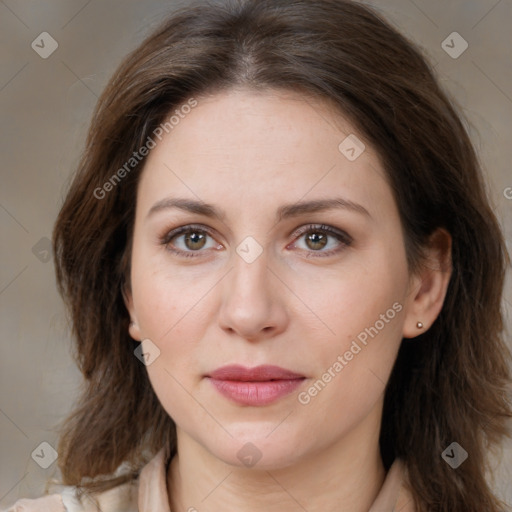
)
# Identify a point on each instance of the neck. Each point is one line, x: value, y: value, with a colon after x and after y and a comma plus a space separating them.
x: 344, y: 477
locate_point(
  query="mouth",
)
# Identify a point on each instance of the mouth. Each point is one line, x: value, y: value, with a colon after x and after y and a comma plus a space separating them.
x: 258, y: 386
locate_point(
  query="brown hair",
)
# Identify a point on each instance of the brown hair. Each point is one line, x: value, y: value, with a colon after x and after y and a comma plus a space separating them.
x: 448, y: 385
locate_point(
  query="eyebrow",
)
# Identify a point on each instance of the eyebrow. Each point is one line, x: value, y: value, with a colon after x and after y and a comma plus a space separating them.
x: 283, y: 212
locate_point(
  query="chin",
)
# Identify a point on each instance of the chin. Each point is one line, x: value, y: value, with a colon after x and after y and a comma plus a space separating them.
x: 257, y: 450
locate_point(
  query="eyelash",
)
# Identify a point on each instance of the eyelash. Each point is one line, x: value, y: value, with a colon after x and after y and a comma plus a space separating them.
x: 341, y: 236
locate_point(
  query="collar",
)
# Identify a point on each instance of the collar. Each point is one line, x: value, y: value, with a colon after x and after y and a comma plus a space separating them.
x: 153, y: 495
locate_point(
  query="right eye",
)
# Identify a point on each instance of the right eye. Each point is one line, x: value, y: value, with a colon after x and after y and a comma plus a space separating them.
x: 191, y: 239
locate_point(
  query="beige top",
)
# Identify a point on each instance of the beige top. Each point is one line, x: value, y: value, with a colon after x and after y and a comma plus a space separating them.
x: 148, y: 493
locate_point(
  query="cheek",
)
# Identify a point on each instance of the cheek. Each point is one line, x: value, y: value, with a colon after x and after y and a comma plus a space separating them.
x: 168, y: 316
x: 165, y: 298
x: 353, y: 297
x: 175, y: 373
x: 364, y: 312
x: 352, y: 378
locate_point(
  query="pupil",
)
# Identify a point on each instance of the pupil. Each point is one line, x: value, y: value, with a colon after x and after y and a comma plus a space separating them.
x: 316, y: 238
x: 196, y: 238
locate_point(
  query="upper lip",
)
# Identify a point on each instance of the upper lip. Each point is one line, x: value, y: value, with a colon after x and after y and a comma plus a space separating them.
x: 257, y: 374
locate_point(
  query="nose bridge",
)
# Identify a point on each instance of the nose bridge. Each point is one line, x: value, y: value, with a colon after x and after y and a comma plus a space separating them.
x: 250, y: 274
x: 251, y: 303
x: 249, y: 284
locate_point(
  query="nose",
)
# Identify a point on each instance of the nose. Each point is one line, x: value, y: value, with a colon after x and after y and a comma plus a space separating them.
x: 253, y: 301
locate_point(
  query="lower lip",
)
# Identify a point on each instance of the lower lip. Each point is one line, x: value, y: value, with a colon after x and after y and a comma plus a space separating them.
x: 255, y: 393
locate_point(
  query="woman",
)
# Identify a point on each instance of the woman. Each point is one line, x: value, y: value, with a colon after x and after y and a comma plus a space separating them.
x: 284, y: 276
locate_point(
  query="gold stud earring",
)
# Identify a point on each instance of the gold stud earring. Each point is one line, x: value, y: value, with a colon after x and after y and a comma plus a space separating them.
x: 419, y: 325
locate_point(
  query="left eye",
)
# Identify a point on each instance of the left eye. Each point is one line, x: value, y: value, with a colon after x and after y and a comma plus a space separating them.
x: 192, y: 239
x: 317, y: 238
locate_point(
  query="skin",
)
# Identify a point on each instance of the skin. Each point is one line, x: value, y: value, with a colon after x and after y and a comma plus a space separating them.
x: 248, y: 153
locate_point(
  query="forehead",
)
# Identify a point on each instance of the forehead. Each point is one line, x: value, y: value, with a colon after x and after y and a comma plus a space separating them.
x: 251, y: 144
x: 248, y: 120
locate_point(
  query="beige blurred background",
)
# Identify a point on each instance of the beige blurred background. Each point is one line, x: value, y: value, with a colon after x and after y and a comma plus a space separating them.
x: 46, y: 106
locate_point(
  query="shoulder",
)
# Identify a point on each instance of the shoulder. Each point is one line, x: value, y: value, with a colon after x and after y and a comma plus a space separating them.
x: 146, y: 492
x: 122, y: 498
x: 50, y: 503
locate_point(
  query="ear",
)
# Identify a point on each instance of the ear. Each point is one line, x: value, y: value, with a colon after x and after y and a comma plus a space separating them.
x: 133, y: 329
x: 429, y: 285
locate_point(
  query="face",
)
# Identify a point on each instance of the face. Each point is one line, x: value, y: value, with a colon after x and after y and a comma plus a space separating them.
x: 302, y: 267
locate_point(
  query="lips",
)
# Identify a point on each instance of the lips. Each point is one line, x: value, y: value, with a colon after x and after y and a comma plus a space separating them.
x: 256, y: 374
x: 258, y: 386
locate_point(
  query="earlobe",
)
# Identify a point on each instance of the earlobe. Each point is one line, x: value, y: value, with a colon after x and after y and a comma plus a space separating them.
x: 133, y: 327
x: 429, y: 285
x: 134, y: 331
